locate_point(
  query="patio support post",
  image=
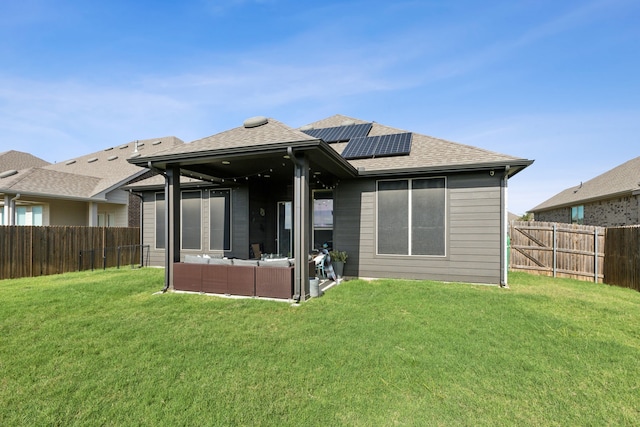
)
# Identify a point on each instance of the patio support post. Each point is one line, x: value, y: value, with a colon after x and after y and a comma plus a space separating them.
x: 172, y: 217
x: 301, y: 224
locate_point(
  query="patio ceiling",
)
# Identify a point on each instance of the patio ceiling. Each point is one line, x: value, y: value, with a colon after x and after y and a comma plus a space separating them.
x: 270, y: 161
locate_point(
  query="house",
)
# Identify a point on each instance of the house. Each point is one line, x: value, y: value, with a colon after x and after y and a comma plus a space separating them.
x: 608, y: 200
x: 84, y: 191
x: 401, y: 204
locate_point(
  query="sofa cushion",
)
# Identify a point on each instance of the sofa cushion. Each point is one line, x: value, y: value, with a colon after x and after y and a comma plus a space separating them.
x: 195, y: 259
x: 277, y: 263
x: 246, y: 262
x: 220, y: 261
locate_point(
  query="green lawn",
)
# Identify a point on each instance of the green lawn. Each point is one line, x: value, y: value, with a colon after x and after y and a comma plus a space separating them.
x: 98, y: 348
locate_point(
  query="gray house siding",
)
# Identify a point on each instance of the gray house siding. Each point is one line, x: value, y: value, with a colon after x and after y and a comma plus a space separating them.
x: 472, y: 233
x: 615, y: 212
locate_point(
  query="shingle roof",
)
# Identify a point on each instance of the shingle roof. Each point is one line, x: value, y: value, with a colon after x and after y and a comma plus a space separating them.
x: 426, y: 151
x: 272, y: 132
x: 17, y: 160
x: 87, y: 176
x: 621, y: 180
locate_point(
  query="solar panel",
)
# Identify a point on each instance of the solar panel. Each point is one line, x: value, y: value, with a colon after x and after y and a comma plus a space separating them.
x: 378, y: 146
x: 340, y: 133
x: 393, y: 145
x: 360, y: 148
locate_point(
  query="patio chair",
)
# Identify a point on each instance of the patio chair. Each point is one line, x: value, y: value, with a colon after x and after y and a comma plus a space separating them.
x: 320, y: 262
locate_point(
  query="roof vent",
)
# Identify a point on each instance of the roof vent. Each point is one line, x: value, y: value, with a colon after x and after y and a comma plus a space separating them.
x: 70, y: 162
x: 156, y: 142
x: 348, y: 123
x: 108, y: 149
x: 306, y: 127
x: 8, y: 173
x: 134, y: 155
x: 112, y: 158
x: 256, y: 121
x: 93, y: 159
x: 122, y: 147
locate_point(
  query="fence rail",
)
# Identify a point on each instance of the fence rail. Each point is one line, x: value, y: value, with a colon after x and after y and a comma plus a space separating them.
x: 27, y: 251
x: 558, y: 250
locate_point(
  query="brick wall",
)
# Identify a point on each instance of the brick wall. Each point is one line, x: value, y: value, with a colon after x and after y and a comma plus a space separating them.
x: 605, y: 213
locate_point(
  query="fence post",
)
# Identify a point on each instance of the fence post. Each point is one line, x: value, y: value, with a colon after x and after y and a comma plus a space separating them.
x: 555, y: 250
x: 595, y: 255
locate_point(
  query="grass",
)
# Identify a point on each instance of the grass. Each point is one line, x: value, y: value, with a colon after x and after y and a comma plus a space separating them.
x: 100, y: 349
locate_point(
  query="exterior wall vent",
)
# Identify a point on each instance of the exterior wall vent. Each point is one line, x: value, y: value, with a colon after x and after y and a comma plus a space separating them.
x: 8, y: 173
x: 70, y: 162
x: 253, y: 122
x: 93, y: 159
x: 110, y: 158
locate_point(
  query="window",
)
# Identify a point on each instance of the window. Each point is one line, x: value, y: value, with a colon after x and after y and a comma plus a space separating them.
x: 191, y: 219
x: 105, y: 220
x: 220, y: 220
x: 36, y: 215
x: 577, y: 214
x: 322, y: 218
x: 21, y: 215
x: 160, y: 223
x: 412, y: 217
x: 1, y: 215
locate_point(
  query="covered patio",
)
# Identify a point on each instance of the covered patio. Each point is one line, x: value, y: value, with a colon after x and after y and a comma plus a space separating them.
x: 281, y: 170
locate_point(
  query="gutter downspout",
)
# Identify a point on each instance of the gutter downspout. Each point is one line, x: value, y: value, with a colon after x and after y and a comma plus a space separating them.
x: 141, y: 220
x: 167, y: 279
x: 297, y: 291
x: 504, y: 261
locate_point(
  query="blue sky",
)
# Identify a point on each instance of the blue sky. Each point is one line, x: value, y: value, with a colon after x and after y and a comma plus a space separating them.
x: 553, y: 81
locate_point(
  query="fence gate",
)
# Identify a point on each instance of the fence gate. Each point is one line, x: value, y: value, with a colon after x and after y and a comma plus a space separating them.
x: 558, y: 250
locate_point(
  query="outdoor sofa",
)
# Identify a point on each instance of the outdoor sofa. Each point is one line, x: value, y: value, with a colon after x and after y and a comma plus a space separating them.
x: 269, y: 278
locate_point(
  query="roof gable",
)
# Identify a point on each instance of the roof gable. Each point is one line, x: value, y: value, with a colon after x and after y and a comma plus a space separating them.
x: 621, y: 180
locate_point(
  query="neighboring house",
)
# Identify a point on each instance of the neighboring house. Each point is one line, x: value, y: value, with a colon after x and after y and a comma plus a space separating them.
x: 401, y: 204
x: 608, y: 200
x: 14, y: 161
x: 84, y: 191
x: 19, y: 160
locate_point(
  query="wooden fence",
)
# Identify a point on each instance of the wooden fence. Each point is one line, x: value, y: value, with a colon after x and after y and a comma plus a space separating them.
x: 27, y: 251
x: 622, y: 248
x: 558, y: 250
x: 604, y: 255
